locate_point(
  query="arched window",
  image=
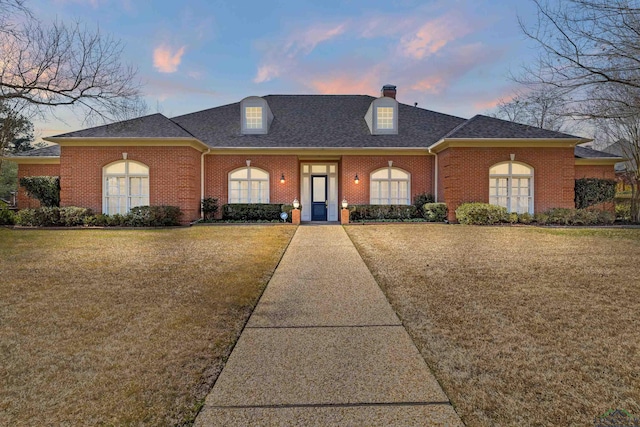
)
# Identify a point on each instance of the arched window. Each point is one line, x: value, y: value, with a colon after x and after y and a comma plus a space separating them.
x: 511, y: 186
x: 249, y: 185
x: 390, y: 186
x: 126, y: 185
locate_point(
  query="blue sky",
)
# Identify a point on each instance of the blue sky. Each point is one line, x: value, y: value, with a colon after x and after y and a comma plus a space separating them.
x: 449, y: 56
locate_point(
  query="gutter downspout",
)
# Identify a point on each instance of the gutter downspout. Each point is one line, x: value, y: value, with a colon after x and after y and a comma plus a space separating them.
x: 435, y: 187
x: 202, y: 179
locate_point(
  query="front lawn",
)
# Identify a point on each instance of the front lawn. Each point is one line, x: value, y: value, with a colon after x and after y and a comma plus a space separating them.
x: 522, y: 326
x: 124, y: 327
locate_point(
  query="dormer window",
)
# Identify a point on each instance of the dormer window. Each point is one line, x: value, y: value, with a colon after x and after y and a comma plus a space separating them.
x: 256, y: 115
x: 382, y: 116
x: 253, y: 117
x: 385, y: 117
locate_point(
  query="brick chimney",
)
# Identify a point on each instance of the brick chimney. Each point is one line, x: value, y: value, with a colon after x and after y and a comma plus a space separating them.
x: 389, y: 90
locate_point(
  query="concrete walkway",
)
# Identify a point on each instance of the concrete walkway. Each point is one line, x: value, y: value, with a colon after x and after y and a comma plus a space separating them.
x: 324, y: 347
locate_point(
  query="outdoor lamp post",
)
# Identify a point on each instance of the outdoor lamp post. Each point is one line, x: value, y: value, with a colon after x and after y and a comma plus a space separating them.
x: 295, y: 213
x: 344, y: 204
x: 296, y: 204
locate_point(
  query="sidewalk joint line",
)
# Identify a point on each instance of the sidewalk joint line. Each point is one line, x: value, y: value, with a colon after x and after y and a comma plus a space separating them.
x: 329, y: 405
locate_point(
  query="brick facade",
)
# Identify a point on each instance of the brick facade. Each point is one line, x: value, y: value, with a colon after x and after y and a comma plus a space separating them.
x: 464, y: 173
x: 217, y: 168
x: 23, y: 200
x: 419, y: 166
x: 595, y: 171
x: 174, y: 176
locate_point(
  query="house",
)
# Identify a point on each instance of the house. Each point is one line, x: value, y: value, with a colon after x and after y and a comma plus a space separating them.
x: 319, y: 149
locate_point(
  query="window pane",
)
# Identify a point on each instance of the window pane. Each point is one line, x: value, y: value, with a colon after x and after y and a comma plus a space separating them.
x: 318, y: 169
x: 397, y: 173
x: 381, y: 174
x: 116, y: 168
x: 518, y: 169
x: 385, y: 117
x: 259, y: 174
x: 319, y: 189
x: 138, y: 169
x: 240, y: 174
x: 253, y: 117
x: 502, y: 169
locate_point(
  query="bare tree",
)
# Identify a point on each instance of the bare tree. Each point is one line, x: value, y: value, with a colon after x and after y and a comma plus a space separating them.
x: 49, y: 66
x: 586, y: 45
x: 542, y: 108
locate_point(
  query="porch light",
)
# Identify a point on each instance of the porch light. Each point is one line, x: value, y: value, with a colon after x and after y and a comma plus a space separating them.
x: 356, y: 180
x: 296, y: 204
x: 344, y: 204
x: 282, y: 179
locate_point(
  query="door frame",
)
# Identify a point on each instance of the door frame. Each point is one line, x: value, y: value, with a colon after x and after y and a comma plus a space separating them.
x: 329, y: 168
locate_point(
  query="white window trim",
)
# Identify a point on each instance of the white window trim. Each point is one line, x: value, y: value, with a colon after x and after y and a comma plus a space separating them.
x: 249, y: 180
x: 388, y: 181
x: 510, y: 176
x: 127, y: 176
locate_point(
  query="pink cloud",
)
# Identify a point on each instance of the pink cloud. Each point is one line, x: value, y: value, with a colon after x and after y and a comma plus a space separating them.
x: 433, y: 36
x: 430, y: 85
x: 280, y: 58
x: 165, y: 60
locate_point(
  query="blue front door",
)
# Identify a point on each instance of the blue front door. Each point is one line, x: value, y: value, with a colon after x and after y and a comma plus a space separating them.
x: 318, y: 198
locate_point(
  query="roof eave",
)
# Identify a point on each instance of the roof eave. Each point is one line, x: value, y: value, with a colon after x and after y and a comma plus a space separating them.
x: 127, y: 141
x: 444, y: 143
x: 51, y: 160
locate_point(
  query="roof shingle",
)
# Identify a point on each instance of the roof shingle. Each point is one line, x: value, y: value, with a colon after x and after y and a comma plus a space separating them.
x: 153, y: 126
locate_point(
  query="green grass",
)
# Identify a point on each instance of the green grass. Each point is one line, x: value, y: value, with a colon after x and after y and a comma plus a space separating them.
x: 124, y: 327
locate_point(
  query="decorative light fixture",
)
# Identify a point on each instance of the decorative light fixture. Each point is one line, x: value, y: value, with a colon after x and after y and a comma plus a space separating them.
x: 356, y: 180
x: 296, y: 204
x: 344, y: 204
x: 124, y: 156
x: 282, y: 179
x: 513, y: 157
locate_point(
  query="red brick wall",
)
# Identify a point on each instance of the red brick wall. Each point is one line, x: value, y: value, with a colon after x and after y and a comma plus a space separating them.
x: 593, y: 171
x: 217, y: 168
x: 174, y: 176
x: 33, y: 170
x: 419, y: 166
x: 465, y: 175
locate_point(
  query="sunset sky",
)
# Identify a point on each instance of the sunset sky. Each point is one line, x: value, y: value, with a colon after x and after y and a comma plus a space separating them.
x: 449, y: 56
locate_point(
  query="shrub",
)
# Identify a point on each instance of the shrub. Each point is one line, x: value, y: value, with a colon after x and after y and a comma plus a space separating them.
x: 382, y: 212
x: 562, y: 216
x: 25, y: 217
x: 152, y: 216
x: 435, y: 212
x: 419, y: 200
x: 7, y: 217
x: 623, y: 211
x: 44, y: 188
x: 73, y: 216
x: 525, y: 218
x: 251, y: 212
x: 209, y: 207
x: 481, y: 214
x: 592, y: 191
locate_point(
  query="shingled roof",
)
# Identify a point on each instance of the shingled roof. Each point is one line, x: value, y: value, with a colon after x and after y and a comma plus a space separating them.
x: 318, y: 121
x: 590, y: 153
x: 153, y: 126
x: 486, y: 127
x: 50, y: 151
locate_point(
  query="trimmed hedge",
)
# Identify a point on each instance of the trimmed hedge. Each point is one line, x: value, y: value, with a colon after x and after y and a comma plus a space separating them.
x: 420, y: 200
x: 435, y: 212
x: 481, y: 214
x: 485, y: 214
x: 382, y: 212
x: 143, y: 216
x: 209, y: 207
x: 46, y: 189
x: 254, y: 212
x: 592, y: 191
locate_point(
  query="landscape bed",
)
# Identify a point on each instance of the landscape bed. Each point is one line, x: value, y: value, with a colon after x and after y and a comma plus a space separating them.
x: 521, y: 325
x: 124, y: 327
